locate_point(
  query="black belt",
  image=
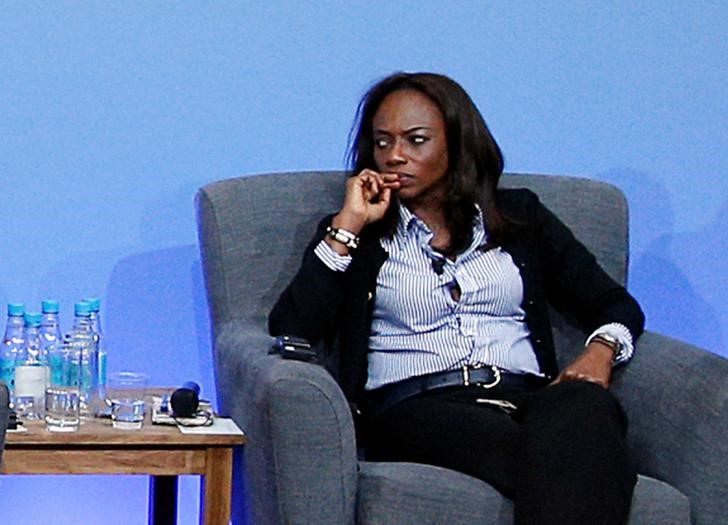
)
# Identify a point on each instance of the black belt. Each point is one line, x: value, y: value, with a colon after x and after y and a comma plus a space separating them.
x: 490, y: 378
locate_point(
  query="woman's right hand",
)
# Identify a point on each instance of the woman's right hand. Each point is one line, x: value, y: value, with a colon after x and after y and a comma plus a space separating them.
x: 368, y: 195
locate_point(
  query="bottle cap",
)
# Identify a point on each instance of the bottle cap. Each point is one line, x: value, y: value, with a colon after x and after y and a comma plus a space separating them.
x: 49, y: 306
x: 32, y: 319
x: 94, y: 303
x: 82, y: 308
x: 16, y: 309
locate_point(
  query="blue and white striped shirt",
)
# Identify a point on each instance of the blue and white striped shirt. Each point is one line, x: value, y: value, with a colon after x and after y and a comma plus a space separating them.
x: 419, y: 328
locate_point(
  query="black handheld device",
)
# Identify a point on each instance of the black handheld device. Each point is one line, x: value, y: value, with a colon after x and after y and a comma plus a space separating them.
x: 292, y: 347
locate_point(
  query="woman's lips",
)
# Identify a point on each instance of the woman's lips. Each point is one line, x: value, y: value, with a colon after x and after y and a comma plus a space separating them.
x: 405, y: 179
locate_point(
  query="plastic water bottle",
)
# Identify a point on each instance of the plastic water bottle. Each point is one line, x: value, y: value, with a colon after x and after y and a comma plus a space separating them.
x: 12, y: 342
x: 51, y: 341
x: 32, y: 372
x: 95, y: 305
x: 81, y: 346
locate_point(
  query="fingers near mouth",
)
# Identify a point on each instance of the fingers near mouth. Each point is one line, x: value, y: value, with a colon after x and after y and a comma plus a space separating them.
x: 392, y: 180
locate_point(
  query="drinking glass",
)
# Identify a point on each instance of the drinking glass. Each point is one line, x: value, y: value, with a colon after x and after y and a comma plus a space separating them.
x: 62, y: 409
x: 127, y: 393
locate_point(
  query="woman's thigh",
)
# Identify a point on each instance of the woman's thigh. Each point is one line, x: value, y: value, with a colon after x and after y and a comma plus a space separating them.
x: 451, y: 430
x: 558, y: 431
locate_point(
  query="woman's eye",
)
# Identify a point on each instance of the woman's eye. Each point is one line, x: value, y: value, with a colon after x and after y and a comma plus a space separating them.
x: 380, y: 143
x: 418, y: 139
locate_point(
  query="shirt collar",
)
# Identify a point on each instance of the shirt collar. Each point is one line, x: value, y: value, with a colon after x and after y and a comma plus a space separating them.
x: 479, y: 233
x: 409, y: 226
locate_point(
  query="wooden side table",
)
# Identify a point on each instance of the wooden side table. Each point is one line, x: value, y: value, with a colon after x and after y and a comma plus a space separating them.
x: 162, y: 452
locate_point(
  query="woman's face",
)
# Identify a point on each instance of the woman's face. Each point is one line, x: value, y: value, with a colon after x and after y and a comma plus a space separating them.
x: 410, y: 140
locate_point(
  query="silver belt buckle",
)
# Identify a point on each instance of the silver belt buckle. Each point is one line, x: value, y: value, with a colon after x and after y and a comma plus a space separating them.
x: 496, y: 374
x: 466, y: 375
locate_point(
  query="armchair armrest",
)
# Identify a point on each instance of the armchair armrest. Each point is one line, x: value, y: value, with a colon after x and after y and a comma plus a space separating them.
x: 301, y: 452
x: 676, y: 398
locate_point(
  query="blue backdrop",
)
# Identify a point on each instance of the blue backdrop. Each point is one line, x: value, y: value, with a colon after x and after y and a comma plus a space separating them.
x: 112, y: 114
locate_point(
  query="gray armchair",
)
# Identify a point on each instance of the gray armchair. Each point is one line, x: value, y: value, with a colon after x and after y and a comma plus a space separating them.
x: 301, y: 455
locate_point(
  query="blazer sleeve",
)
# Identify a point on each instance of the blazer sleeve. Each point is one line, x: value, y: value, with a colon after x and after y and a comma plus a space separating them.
x: 309, y: 304
x: 576, y: 283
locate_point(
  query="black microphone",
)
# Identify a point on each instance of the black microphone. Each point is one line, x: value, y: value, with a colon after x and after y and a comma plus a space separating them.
x: 439, y: 266
x: 186, y: 400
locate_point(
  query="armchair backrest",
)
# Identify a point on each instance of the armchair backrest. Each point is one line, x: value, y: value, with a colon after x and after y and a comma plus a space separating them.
x: 253, y: 231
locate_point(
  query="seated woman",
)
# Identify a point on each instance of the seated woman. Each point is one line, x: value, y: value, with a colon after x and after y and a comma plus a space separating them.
x: 436, y: 285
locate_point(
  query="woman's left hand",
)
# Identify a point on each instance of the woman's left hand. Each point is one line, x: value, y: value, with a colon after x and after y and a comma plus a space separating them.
x: 594, y: 364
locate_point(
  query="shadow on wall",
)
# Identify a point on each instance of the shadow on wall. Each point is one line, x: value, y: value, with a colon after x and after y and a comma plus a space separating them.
x: 679, y: 278
x: 157, y: 314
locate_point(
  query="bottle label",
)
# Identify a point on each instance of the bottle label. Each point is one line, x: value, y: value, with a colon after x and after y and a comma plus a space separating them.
x: 80, y: 375
x: 59, y: 370
x: 7, y: 372
x: 31, y: 381
x: 102, y: 367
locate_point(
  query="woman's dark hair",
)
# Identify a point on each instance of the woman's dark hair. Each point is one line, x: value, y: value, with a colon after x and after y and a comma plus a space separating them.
x: 475, y: 160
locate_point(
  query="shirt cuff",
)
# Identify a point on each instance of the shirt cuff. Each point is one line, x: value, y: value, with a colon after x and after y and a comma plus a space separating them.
x: 622, y: 334
x: 332, y: 260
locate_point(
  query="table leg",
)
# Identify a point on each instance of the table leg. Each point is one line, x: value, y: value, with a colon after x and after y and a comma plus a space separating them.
x: 162, y: 500
x: 239, y: 496
x: 216, y: 487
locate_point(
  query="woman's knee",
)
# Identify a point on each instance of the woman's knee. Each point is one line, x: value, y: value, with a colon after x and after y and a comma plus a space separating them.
x: 579, y: 401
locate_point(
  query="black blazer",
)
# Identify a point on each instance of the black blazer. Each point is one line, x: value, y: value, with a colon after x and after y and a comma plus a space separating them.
x: 336, y: 307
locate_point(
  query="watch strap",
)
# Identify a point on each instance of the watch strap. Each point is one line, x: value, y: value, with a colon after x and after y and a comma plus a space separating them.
x: 342, y: 236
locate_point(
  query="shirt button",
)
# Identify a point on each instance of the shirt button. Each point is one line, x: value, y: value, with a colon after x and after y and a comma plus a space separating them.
x: 531, y: 302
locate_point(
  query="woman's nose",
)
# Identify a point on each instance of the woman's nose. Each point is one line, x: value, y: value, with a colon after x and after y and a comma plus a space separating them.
x: 396, y: 154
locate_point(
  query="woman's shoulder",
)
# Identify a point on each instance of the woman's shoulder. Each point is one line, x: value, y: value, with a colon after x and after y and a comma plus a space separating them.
x: 520, y: 202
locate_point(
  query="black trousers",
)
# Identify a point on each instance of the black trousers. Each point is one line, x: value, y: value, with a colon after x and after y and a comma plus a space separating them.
x: 561, y: 456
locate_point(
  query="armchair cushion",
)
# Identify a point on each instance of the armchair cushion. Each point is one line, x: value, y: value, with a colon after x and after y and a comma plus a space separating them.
x: 657, y: 502
x: 410, y: 493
